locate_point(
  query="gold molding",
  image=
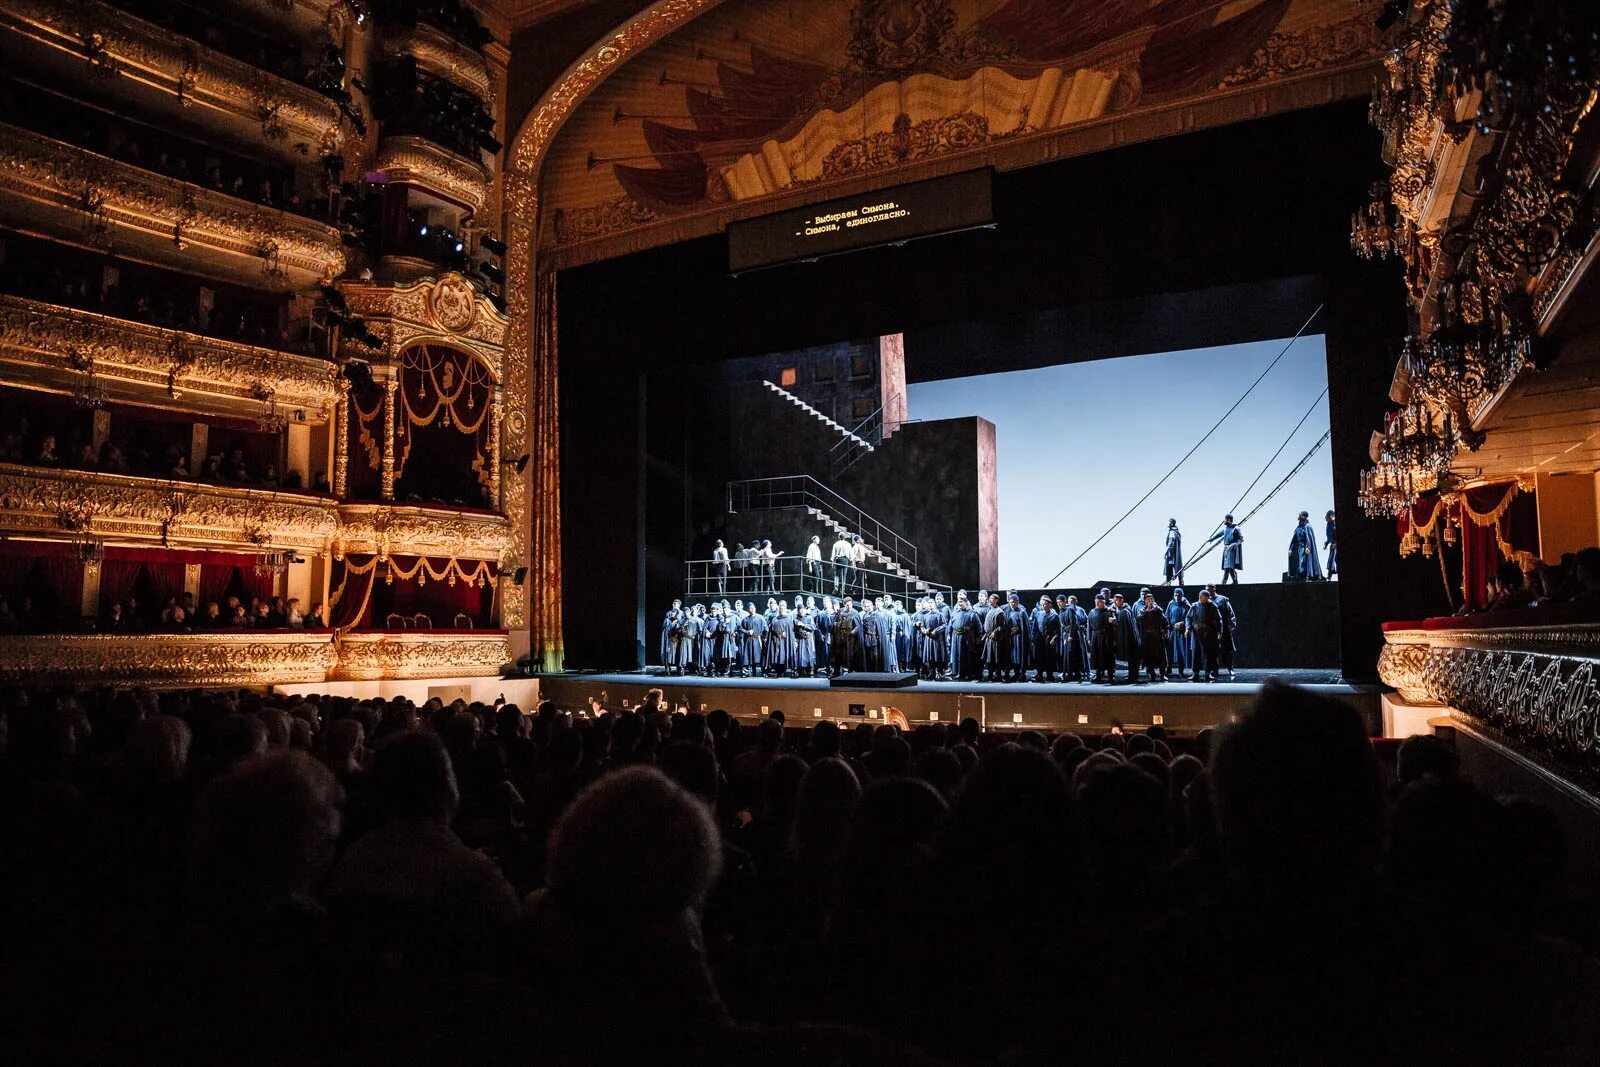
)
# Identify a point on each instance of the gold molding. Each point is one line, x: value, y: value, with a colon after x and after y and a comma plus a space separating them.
x: 386, y: 530
x: 161, y: 364
x: 120, y: 46
x: 169, y: 660
x: 528, y: 411
x: 438, y: 54
x: 445, y: 309
x: 417, y: 161
x: 79, y: 191
x: 48, y: 502
x: 399, y: 654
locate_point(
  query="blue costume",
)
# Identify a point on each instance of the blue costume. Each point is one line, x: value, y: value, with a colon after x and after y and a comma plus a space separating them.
x: 1232, y: 539
x: 751, y: 630
x: 805, y: 642
x: 1178, y: 657
x: 1304, y: 564
x: 1044, y: 626
x: 1330, y: 541
x: 1172, y: 555
x: 966, y: 629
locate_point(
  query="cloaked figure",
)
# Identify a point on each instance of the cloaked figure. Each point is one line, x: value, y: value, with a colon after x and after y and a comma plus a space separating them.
x: 1330, y: 544
x: 1304, y: 564
x: 1172, y: 555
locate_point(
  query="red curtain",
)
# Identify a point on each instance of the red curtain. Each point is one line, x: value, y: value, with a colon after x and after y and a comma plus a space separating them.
x: 214, y: 581
x: 117, y: 579
x: 349, y: 603
x: 443, y: 399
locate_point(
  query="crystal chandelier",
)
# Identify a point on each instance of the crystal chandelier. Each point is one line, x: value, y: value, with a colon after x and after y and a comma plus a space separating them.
x: 1386, y: 491
x: 1418, y: 439
x: 1476, y: 348
x: 1377, y: 230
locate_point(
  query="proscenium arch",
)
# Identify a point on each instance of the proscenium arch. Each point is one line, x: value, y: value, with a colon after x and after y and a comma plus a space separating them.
x: 532, y: 500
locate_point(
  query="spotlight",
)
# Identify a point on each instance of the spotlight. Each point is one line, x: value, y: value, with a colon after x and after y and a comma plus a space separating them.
x: 493, y: 244
x: 459, y: 246
x: 423, y: 231
x: 493, y: 273
x: 521, y: 462
x: 521, y: 575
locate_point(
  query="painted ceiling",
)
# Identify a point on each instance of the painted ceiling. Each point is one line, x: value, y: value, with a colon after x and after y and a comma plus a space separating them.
x: 760, y: 98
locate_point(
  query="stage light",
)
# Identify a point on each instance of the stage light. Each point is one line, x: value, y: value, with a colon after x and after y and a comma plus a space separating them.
x: 521, y: 462
x: 459, y: 246
x: 521, y: 575
x: 493, y: 244
x: 423, y: 231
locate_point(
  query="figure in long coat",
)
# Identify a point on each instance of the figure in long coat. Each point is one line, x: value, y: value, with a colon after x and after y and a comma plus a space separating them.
x: 780, y: 642
x: 1304, y: 562
x: 1172, y: 555
x: 727, y: 643
x: 1044, y: 629
x: 752, y: 628
x: 805, y: 642
x: 1075, y: 652
x: 669, y: 627
x: 1128, y: 642
x: 965, y: 631
x: 846, y: 637
x: 1103, y: 633
x: 1232, y: 539
x: 1178, y: 658
x: 996, y: 641
x: 1021, y: 651
x: 688, y: 649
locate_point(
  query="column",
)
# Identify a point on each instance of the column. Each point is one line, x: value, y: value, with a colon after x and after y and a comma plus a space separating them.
x: 102, y: 429
x: 191, y: 582
x: 390, y: 387
x: 90, y: 606
x: 496, y: 399
x: 199, y: 445
x: 341, y: 439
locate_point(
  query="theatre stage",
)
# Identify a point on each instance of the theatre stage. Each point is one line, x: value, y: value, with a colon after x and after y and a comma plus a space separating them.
x: 1177, y: 705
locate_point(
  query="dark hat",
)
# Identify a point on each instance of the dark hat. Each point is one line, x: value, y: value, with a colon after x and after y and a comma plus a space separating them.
x: 1227, y: 518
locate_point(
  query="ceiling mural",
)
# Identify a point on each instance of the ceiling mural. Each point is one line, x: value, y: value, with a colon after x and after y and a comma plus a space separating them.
x: 763, y: 97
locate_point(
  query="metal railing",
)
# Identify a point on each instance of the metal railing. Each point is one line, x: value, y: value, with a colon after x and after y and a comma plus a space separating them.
x: 869, y: 429
x: 801, y: 491
x: 701, y: 581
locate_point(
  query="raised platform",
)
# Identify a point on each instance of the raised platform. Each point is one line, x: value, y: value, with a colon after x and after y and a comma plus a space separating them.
x: 1022, y: 705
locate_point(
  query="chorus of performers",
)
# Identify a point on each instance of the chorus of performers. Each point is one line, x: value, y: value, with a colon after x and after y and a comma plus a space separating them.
x: 982, y: 638
x: 1304, y: 562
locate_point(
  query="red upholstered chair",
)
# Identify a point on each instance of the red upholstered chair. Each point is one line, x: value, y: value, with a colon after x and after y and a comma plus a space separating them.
x: 420, y: 621
x: 396, y: 621
x: 463, y: 621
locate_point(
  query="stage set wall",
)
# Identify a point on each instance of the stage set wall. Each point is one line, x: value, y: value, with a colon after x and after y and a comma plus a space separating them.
x: 1218, y: 237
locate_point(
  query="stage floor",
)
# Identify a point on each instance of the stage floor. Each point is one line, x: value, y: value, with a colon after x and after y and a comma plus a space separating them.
x: 1051, y: 706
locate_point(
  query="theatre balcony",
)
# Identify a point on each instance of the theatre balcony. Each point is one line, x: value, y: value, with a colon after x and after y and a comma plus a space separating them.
x: 384, y: 530
x: 58, y: 348
x: 416, y: 653
x: 76, y: 195
x: 56, y: 504
x: 137, y: 66
x: 246, y: 658
x: 438, y: 53
x: 1527, y: 679
x: 422, y: 164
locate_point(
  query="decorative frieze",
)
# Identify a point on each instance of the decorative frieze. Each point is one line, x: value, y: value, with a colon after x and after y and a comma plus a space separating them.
x: 80, y: 193
x: 384, y: 530
x: 1536, y: 685
x: 130, y: 53
x: 44, y: 341
x: 446, y: 309
x: 434, y: 52
x: 254, y: 658
x: 407, y: 654
x: 420, y: 162
x: 48, y: 502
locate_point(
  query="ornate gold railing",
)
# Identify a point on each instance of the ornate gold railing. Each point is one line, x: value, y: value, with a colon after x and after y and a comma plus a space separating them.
x: 81, y: 193
x: 1538, y: 686
x: 249, y: 657
x: 421, y: 654
x: 122, y: 49
x: 54, y: 503
x: 43, y: 340
x: 412, y: 531
x: 222, y: 659
x: 420, y: 162
x: 438, y: 54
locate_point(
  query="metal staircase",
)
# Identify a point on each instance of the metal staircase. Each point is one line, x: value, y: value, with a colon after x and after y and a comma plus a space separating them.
x: 800, y: 491
x: 847, y: 437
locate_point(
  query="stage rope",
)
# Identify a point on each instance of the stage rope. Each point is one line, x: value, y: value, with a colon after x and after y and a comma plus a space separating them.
x: 1204, y: 438
x: 1287, y: 478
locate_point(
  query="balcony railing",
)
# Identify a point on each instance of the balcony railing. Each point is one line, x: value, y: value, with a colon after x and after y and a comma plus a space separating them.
x: 52, y: 503
x: 436, y: 52
x: 1531, y: 678
x: 139, y: 361
x: 418, y: 161
x: 412, y: 654
x: 804, y: 491
x: 78, y: 194
x: 249, y: 657
x: 702, y: 581
x: 413, y: 531
x: 139, y: 62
